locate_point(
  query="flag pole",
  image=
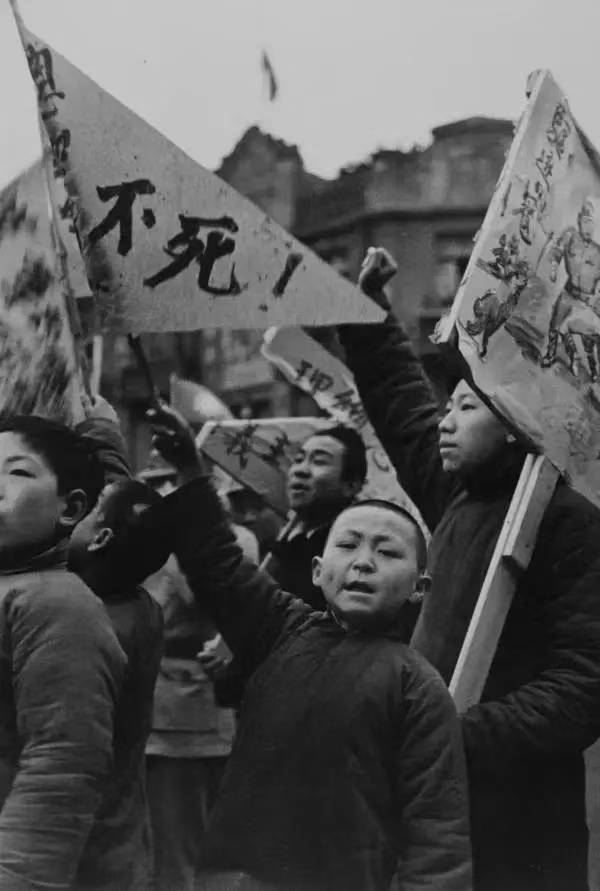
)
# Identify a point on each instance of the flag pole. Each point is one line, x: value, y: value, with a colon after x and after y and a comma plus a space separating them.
x: 19, y: 21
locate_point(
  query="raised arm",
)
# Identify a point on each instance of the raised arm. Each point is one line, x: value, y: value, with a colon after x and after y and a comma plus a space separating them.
x: 248, y: 607
x: 102, y: 432
x: 435, y: 848
x: 401, y: 406
x: 67, y: 670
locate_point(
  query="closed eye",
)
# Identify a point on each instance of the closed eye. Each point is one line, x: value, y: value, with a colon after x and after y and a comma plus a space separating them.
x: 20, y: 471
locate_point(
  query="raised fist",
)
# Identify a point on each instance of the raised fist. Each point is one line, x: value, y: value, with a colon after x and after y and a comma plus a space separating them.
x: 173, y: 437
x: 377, y: 269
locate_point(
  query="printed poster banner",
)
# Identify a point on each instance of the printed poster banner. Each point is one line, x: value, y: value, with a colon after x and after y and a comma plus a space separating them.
x: 319, y: 373
x: 169, y: 246
x: 37, y: 352
x: 258, y: 453
x: 527, y: 312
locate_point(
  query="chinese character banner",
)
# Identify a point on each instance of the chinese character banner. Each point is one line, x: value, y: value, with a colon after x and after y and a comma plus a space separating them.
x: 258, y: 453
x: 528, y: 309
x: 323, y: 376
x: 168, y: 245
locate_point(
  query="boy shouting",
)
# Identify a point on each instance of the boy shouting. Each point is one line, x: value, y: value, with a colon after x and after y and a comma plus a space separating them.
x: 348, y: 765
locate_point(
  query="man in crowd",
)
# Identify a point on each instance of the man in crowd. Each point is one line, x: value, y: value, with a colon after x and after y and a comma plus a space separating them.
x: 325, y: 476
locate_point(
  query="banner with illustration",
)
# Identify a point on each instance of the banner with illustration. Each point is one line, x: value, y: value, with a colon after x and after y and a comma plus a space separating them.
x: 527, y: 312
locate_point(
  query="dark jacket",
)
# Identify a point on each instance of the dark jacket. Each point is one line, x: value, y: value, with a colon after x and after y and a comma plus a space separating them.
x: 187, y: 721
x: 119, y: 853
x: 347, y: 762
x: 119, y: 849
x: 61, y: 675
x: 541, y: 703
x: 290, y: 562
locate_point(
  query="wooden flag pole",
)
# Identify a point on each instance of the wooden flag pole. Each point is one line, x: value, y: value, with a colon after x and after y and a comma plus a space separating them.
x: 137, y: 349
x: 510, y: 559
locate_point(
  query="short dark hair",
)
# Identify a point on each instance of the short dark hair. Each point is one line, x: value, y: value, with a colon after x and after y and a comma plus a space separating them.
x: 141, y: 545
x: 354, y: 468
x: 119, y: 509
x: 403, y: 512
x: 64, y: 450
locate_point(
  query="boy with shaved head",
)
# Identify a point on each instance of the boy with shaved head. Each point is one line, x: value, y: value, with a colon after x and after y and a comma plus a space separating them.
x: 348, y: 765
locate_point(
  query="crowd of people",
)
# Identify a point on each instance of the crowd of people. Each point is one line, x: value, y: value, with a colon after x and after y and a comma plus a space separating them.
x: 191, y: 699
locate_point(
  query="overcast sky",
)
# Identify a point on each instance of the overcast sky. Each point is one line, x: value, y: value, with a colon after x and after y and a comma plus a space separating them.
x: 352, y: 76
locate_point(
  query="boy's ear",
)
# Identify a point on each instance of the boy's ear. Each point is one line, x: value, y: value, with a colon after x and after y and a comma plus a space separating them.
x: 316, y: 571
x: 422, y: 588
x: 101, y: 539
x: 74, y: 510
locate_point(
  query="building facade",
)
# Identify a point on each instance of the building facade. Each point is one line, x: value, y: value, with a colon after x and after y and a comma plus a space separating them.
x: 425, y: 206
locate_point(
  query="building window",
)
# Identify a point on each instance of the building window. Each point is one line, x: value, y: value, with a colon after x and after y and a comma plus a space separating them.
x: 452, y: 252
x: 452, y: 257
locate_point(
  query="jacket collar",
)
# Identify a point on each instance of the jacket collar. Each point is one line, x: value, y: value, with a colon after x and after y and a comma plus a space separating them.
x: 497, y: 476
x: 55, y: 556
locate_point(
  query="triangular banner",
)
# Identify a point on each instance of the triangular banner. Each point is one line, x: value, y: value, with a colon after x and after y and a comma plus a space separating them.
x: 168, y: 245
x: 258, y: 453
x: 527, y: 312
x: 37, y: 351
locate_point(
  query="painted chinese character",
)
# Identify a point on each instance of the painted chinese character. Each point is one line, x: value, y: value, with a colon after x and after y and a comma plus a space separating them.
x: 241, y: 444
x: 42, y: 71
x: 346, y: 401
x: 60, y: 152
x: 120, y: 213
x: 560, y: 129
x: 186, y: 247
x: 291, y: 264
x: 545, y: 164
x: 526, y: 211
x: 277, y: 450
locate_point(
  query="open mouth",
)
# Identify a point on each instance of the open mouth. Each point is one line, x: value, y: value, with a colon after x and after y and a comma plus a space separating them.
x: 298, y: 487
x: 359, y: 587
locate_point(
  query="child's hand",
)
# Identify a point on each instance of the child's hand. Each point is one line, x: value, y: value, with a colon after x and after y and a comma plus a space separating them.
x: 215, y: 657
x: 101, y: 408
x: 174, y: 439
x: 377, y: 269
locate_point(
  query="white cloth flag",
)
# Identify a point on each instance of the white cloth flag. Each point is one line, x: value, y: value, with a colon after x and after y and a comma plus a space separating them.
x: 527, y: 312
x: 168, y: 245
